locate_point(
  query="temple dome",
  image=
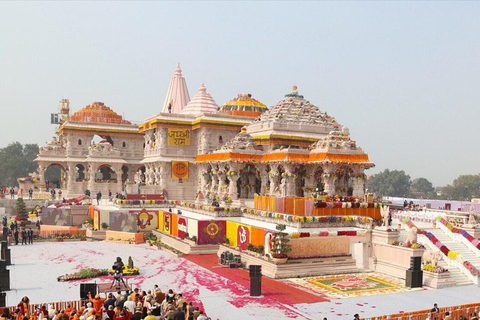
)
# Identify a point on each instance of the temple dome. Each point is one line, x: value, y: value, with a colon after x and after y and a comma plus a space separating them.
x: 295, y: 108
x: 243, y: 105
x: 98, y: 112
x: 202, y: 102
x: 242, y: 141
x: 337, y: 141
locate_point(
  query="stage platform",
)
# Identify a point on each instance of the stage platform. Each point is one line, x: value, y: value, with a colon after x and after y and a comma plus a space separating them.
x: 107, y: 287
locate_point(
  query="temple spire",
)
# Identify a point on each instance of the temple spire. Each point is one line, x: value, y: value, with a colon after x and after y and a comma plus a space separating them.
x: 177, y: 94
x: 202, y: 102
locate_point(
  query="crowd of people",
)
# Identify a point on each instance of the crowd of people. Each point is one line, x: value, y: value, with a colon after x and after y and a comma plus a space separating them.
x: 129, y: 305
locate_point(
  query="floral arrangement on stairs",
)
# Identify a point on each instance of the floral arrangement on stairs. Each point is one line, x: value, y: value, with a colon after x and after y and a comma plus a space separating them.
x: 454, y: 255
x: 464, y: 233
x: 83, y: 274
x: 433, y: 268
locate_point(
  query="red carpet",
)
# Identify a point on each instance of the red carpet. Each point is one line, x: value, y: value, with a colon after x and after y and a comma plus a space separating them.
x: 273, y: 289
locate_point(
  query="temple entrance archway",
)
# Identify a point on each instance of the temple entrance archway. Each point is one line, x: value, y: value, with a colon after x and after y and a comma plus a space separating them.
x: 55, y: 176
x: 344, y: 181
x: 79, y: 172
x: 105, y: 173
x: 319, y: 186
x: 124, y: 174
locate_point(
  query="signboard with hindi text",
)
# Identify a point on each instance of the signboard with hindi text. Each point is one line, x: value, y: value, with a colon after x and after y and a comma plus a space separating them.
x: 180, y: 169
x: 178, y: 137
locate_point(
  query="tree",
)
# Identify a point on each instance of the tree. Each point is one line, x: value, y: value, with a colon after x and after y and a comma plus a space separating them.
x: 465, y: 187
x: 21, y: 209
x: 393, y: 183
x: 17, y: 161
x: 280, y: 246
x: 422, y: 188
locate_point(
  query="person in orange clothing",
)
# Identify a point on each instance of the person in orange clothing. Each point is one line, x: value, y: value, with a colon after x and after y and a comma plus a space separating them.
x: 97, y: 302
x: 68, y: 310
x: 24, y: 305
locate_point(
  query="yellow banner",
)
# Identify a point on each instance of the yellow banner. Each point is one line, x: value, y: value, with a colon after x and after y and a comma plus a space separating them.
x: 180, y: 169
x: 178, y: 137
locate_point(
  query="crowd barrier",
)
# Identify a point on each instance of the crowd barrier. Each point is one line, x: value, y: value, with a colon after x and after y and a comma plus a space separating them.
x: 75, y: 304
x: 455, y: 311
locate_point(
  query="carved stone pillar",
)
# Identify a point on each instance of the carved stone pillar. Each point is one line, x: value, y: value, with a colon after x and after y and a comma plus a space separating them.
x: 70, y: 179
x: 119, y: 184
x: 41, y: 174
x: 359, y: 180
x: 252, y: 179
x: 232, y: 187
x: 310, y: 178
x: 329, y: 178
x: 214, y: 186
x: 289, y: 183
x: 273, y: 177
x: 91, y: 178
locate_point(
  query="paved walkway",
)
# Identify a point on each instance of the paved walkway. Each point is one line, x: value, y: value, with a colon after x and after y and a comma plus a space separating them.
x: 280, y: 291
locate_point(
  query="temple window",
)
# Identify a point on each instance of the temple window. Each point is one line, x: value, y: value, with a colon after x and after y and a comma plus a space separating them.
x: 220, y: 140
x: 124, y: 144
x: 79, y: 142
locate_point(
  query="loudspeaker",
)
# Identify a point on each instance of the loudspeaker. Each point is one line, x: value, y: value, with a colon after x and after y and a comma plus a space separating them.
x: 255, y: 270
x: 415, y: 263
x: 5, y: 280
x: 414, y: 278
x: 2, y: 299
x: 85, y: 288
x: 255, y: 286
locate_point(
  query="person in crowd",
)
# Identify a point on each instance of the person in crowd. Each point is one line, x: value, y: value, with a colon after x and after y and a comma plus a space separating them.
x: 130, y: 304
x: 110, y: 312
x: 6, y: 314
x: 201, y: 316
x: 180, y: 300
x: 15, y: 235
x: 24, y: 306
x: 24, y: 236
x: 169, y: 313
x: 109, y: 302
x: 53, y: 192
x: 30, y: 236
x: 60, y: 194
x: 150, y: 316
x: 99, y: 197
x: 179, y: 314
x: 356, y: 316
x: 138, y: 315
x: 436, y: 311
x: 30, y: 193
x: 97, y: 302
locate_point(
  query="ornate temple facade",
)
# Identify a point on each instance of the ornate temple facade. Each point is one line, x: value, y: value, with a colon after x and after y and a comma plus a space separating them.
x: 198, y: 149
x: 97, y: 166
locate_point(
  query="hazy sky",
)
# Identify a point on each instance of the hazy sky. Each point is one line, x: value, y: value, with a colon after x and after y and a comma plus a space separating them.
x: 403, y: 76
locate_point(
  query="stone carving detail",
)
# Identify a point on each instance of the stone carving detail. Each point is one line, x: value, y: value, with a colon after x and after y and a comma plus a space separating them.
x: 103, y: 148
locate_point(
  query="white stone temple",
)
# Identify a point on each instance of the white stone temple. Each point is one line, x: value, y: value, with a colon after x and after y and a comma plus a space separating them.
x: 194, y: 148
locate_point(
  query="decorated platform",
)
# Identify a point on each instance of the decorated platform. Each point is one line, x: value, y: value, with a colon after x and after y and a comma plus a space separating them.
x: 353, y: 285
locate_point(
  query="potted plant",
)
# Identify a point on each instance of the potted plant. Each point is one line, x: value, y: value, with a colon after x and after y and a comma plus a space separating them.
x: 104, y: 225
x: 260, y: 250
x: 280, y: 246
x: 251, y: 248
x: 226, y: 241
